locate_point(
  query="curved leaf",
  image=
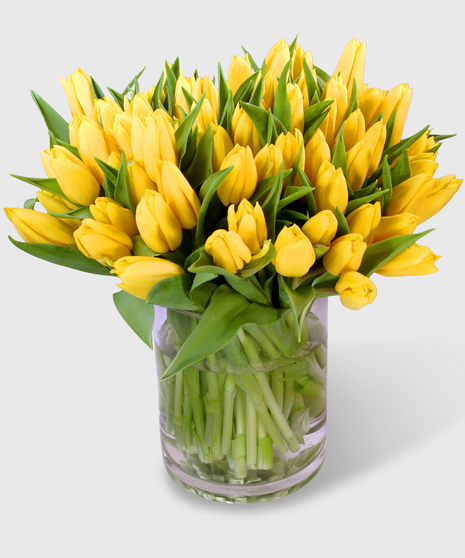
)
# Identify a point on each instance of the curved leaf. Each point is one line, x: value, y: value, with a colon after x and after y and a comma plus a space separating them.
x: 54, y: 122
x: 173, y: 292
x: 137, y: 314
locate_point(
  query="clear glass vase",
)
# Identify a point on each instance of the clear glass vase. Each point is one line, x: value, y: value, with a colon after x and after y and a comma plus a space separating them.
x: 247, y: 424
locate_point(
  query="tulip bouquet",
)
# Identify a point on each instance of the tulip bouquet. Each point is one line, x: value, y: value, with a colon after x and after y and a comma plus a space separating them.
x: 235, y: 205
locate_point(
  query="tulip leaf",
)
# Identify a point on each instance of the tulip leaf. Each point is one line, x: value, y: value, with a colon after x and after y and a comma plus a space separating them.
x: 312, y: 113
x: 118, y: 97
x: 227, y: 312
x: 155, y: 102
x: 322, y: 75
x: 314, y: 125
x: 182, y: 133
x: 309, y: 197
x: 278, y: 126
x: 355, y: 204
x: 245, y: 89
x: 387, y: 184
x: 270, y: 205
x: 49, y: 184
x: 98, y: 93
x: 390, y: 128
x: 223, y: 95
x: 256, y: 97
x: 169, y: 88
x: 254, y: 65
x: 71, y: 148
x: 402, y: 170
x: 67, y: 256
x: 339, y: 155
x: 378, y: 254
x: 79, y: 213
x: 202, y: 288
x: 298, y: 301
x: 122, y: 191
x: 173, y: 292
x: 139, y: 315
x: 258, y: 263
x: 191, y: 150
x: 325, y: 281
x: 282, y: 106
x: 259, y: 119
x: 54, y: 122
x: 292, y: 194
x: 312, y: 86
x: 201, y: 167
x: 292, y: 215
x: 110, y: 172
x: 353, y: 105
x: 139, y: 248
x: 342, y: 224
x: 29, y: 204
x: 208, y: 190
x: 134, y: 83
x: 109, y: 188
x: 262, y: 189
x: 365, y: 191
x: 189, y: 98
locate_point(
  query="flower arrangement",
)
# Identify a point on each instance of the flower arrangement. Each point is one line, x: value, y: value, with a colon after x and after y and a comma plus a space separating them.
x: 236, y: 205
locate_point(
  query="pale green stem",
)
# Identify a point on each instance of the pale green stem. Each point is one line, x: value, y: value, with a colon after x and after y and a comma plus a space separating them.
x: 278, y: 387
x: 170, y: 407
x: 187, y: 427
x: 212, y: 407
x: 251, y: 431
x: 289, y: 395
x: 264, y: 449
x: 229, y: 392
x: 178, y: 418
x: 239, y: 443
x: 263, y: 340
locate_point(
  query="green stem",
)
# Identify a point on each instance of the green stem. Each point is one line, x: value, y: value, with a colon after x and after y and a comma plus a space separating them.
x: 264, y: 449
x: 187, y: 427
x: 239, y: 443
x: 212, y: 407
x: 229, y: 392
x: 178, y: 417
x: 289, y: 395
x: 250, y: 349
x: 251, y: 431
x: 170, y: 407
x: 277, y: 386
x: 263, y: 340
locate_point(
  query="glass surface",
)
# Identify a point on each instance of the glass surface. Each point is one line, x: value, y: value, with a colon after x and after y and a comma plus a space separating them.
x: 247, y: 424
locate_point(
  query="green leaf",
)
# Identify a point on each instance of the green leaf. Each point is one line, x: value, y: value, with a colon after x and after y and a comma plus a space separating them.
x: 133, y: 83
x: 259, y: 117
x: 137, y: 314
x: 402, y: 170
x: 49, y: 184
x: 299, y: 301
x: 191, y: 150
x: 438, y: 137
x: 173, y: 292
x: 312, y: 86
x: 256, y: 97
x: 118, y: 97
x: 79, y: 213
x: 254, y: 65
x: 322, y: 74
x: 292, y: 194
x: 62, y: 255
x: 342, y: 224
x: 387, y: 183
x: 312, y: 113
x: 110, y: 172
x: 257, y: 264
x: 141, y: 249
x: 314, y: 126
x: 245, y: 89
x: 223, y: 93
x: 29, y: 204
x: 390, y: 128
x: 325, y: 281
x: 227, y: 312
x: 339, y: 155
x: 98, y: 93
x: 355, y: 204
x: 353, y: 105
x: 170, y: 87
x: 182, y: 133
x: 202, y: 288
x: 54, y: 122
x: 201, y: 167
x: 122, y: 190
x: 282, y: 106
x: 155, y: 102
x: 109, y: 188
x: 71, y: 148
x: 292, y: 215
x: 380, y: 253
x: 270, y: 205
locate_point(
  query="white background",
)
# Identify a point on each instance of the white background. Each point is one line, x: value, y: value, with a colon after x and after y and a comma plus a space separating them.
x: 81, y: 472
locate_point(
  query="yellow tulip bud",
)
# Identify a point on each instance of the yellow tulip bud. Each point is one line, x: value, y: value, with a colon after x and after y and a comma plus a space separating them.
x: 292, y: 148
x: 40, y: 228
x: 180, y: 101
x: 355, y: 290
x: 138, y: 132
x: 139, y: 181
x: 297, y: 106
x: 423, y: 164
x: 365, y: 220
x: 157, y: 224
x: 105, y: 110
x: 78, y: 89
x: 177, y: 193
x: 410, y: 194
x: 414, y: 260
x: 351, y: 65
x: 140, y: 273
x: 440, y: 194
x: 92, y: 141
x: 114, y: 160
x: 268, y: 161
x: 159, y: 142
x: 354, y: 129
x: 122, y: 133
x: 331, y: 189
x: 364, y: 157
x: 375, y: 136
x: 206, y: 115
x: 139, y: 106
x: 316, y: 152
x: 228, y: 250
x: 370, y: 103
x: 268, y: 91
x: 242, y: 179
x: 404, y: 223
x: 205, y: 85
x: 334, y: 89
x: 397, y: 98
x: 294, y: 252
x: 249, y: 222
x: 297, y: 66
x: 222, y: 145
x: 102, y: 242
x: 321, y: 228
x: 240, y: 69
x: 74, y: 178
x: 423, y: 144
x: 278, y: 56
x: 345, y: 254
x: 243, y: 131
x: 55, y: 204
x: 106, y: 210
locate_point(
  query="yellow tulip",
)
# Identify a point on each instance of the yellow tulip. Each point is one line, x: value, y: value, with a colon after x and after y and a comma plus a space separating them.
x: 92, y: 141
x: 365, y: 220
x: 139, y: 106
x: 78, y: 89
x: 140, y: 273
x: 159, y: 142
x: 414, y: 260
x: 331, y: 189
x: 105, y: 110
x: 375, y: 136
x: 351, y: 65
x: 268, y: 91
x: 355, y: 290
x: 249, y: 222
x: 205, y: 85
x: 345, y: 254
x: 222, y: 145
x: 243, y: 131
x: 106, y: 210
x: 294, y: 252
x: 180, y: 102
x: 334, y: 89
x: 268, y: 161
x: 122, y: 133
x: 440, y: 194
x: 139, y: 181
x: 114, y: 160
x: 370, y: 103
x: 40, y: 228
x: 242, y: 179
x: 423, y: 164
x: 278, y: 56
x: 240, y: 69
x: 74, y: 178
x: 364, y: 157
x: 404, y: 223
x: 157, y: 224
x: 228, y: 250
x: 206, y: 116
x: 423, y: 144
x: 321, y: 228
x: 177, y: 193
x: 138, y: 132
x: 408, y: 196
x: 354, y: 129
x: 102, y: 242
x: 297, y: 106
x: 397, y: 98
x: 297, y: 66
x: 316, y: 152
x: 292, y: 148
x: 55, y: 204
